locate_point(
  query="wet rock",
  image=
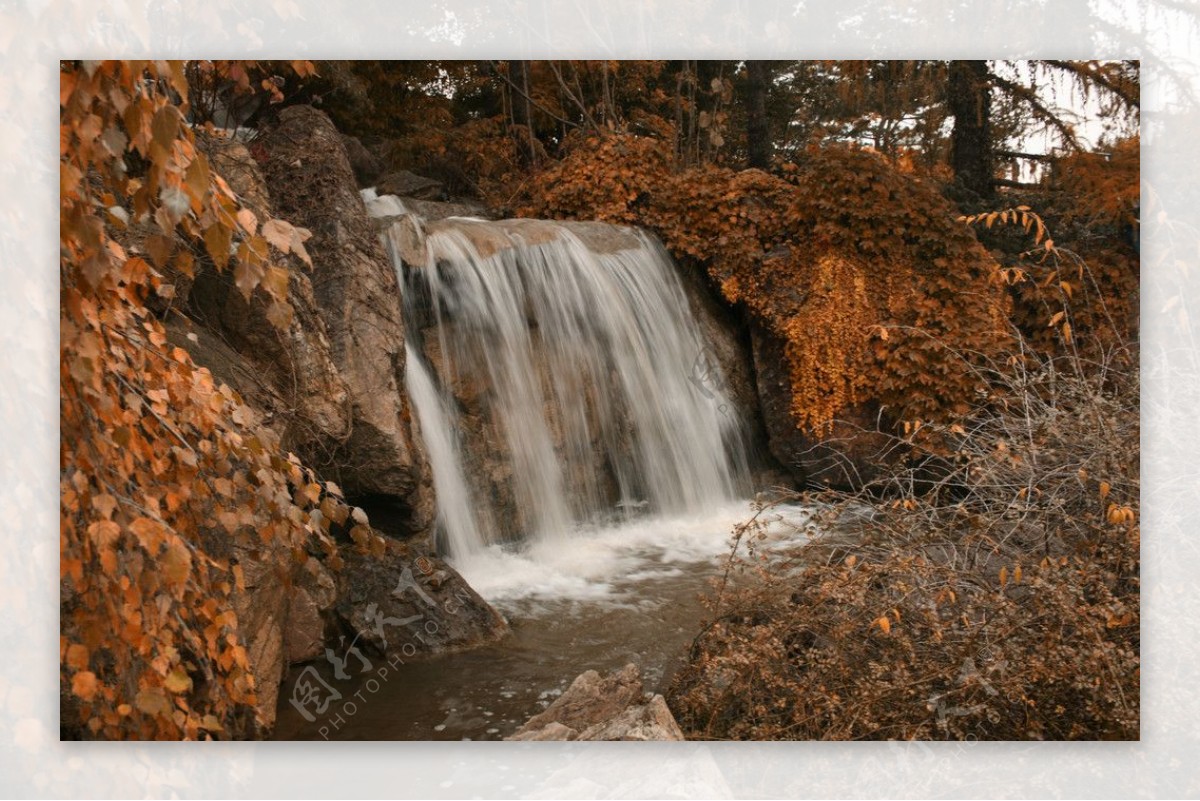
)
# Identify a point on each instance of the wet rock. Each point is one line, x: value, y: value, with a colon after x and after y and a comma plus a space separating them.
x: 433, y: 210
x: 313, y: 594
x: 367, y: 167
x: 392, y: 604
x: 312, y: 185
x: 612, y: 707
x: 726, y: 346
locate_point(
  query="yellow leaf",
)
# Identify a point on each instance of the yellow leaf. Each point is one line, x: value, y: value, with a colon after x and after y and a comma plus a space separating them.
x: 884, y: 624
x: 1105, y: 488
x: 152, y: 701
x: 1003, y: 576
x: 176, y: 562
x: 77, y: 656
x: 178, y: 681
x: 217, y: 239
x: 279, y: 234
x: 247, y: 221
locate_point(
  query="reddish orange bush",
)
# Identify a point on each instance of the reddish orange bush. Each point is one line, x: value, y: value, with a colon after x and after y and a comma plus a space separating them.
x: 862, y: 270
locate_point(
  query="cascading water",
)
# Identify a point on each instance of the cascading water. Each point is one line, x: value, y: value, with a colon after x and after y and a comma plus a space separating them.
x: 454, y: 498
x: 587, y: 463
x: 584, y: 357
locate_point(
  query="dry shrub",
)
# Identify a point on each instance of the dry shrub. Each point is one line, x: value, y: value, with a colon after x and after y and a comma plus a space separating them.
x: 991, y: 590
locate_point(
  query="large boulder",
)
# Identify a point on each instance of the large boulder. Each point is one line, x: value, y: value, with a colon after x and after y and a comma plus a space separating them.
x: 312, y: 185
x: 595, y: 707
x: 408, y: 602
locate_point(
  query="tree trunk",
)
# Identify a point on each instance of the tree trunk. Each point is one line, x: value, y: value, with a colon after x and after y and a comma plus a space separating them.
x: 970, y: 144
x: 522, y: 113
x: 758, y: 134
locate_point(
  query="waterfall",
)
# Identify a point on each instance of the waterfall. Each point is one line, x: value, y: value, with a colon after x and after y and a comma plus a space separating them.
x: 455, y: 517
x: 558, y: 376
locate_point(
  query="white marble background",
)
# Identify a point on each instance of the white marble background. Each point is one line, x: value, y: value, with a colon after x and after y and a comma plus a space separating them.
x: 34, y: 34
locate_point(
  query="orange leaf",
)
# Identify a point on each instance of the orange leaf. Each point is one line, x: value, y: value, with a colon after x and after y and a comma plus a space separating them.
x: 84, y: 684
x: 77, y: 656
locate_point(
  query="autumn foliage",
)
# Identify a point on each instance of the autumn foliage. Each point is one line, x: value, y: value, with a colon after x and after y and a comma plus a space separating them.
x: 862, y: 271
x: 1000, y: 588
x: 166, y: 474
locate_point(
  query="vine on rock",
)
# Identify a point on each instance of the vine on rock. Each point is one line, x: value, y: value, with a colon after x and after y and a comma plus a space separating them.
x: 165, y: 474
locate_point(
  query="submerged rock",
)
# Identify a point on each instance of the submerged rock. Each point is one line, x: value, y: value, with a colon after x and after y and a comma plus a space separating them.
x: 613, y: 707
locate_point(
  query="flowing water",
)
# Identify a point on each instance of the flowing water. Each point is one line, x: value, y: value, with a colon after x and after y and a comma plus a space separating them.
x: 600, y: 599
x: 589, y: 468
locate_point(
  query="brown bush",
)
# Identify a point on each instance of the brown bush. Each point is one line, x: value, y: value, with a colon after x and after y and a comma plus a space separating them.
x: 986, y: 589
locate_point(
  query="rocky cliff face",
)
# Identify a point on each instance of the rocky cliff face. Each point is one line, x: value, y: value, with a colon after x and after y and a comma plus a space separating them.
x: 312, y: 185
x: 331, y: 384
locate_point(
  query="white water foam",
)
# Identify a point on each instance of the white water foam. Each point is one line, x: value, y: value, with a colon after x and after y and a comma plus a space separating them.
x: 605, y: 564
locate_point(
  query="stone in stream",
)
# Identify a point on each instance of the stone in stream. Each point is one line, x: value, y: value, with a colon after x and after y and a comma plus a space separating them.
x: 411, y: 604
x: 613, y: 707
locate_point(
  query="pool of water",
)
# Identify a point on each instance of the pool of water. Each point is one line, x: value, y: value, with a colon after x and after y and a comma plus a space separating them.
x: 594, y: 599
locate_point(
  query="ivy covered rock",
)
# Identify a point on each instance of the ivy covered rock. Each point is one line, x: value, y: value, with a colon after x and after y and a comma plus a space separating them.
x: 876, y: 302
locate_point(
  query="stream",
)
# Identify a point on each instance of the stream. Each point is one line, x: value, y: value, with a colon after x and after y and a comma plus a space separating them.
x: 602, y: 599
